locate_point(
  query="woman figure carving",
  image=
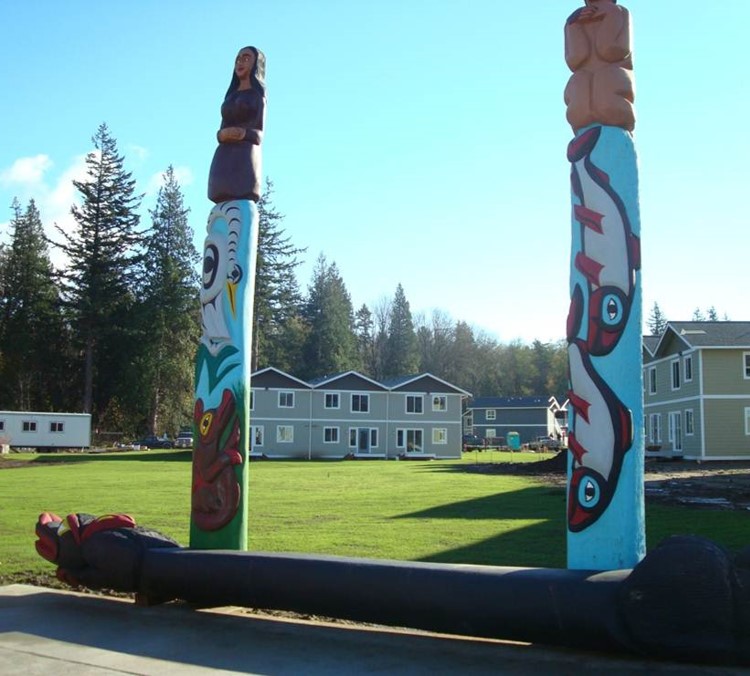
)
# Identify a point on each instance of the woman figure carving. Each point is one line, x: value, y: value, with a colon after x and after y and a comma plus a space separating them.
x: 597, y: 50
x: 236, y: 168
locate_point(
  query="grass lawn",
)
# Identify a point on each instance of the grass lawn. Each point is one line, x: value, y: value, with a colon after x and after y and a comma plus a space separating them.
x: 426, y: 511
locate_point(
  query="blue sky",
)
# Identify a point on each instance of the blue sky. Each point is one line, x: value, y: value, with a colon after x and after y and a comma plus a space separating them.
x: 419, y: 142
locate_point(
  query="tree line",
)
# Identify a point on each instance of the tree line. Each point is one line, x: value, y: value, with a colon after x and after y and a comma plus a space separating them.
x: 113, y: 330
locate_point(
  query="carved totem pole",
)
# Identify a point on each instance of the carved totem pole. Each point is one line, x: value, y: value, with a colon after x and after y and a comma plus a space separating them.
x: 605, y: 512
x: 218, y: 518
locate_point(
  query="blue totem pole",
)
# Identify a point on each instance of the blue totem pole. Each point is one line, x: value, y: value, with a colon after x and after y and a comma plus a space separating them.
x: 221, y: 419
x: 605, y: 512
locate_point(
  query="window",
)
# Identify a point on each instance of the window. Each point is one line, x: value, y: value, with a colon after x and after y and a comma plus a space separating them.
x: 747, y: 422
x: 284, y: 434
x: 57, y: 426
x: 409, y: 439
x: 689, y: 425
x: 286, y: 399
x: 746, y: 361
x: 257, y: 436
x: 491, y: 413
x: 440, y: 435
x: 353, y: 437
x: 252, y: 400
x: 2, y: 425
x: 373, y: 437
x: 414, y: 403
x: 655, y: 419
x: 652, y: 380
x: 688, y: 368
x: 439, y: 402
x: 675, y: 375
x: 490, y: 433
x: 332, y: 400
x: 360, y: 403
x: 28, y: 426
x: 331, y: 435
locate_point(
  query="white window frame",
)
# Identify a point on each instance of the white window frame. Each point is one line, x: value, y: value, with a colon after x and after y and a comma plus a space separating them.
x: 655, y: 428
x: 281, y: 434
x: 286, y: 395
x: 687, y: 368
x: 335, y: 400
x: 675, y: 373
x: 353, y: 437
x: 746, y: 365
x: 439, y: 435
x: 254, y: 434
x: 490, y: 433
x: 652, y: 380
x: 439, y: 403
x: 402, y: 438
x: 689, y: 423
x: 417, y: 402
x: 747, y: 421
x: 252, y: 399
x: 374, y: 437
x: 56, y: 427
x: 360, y: 398
x: 28, y: 426
x: 333, y: 435
x: 491, y: 414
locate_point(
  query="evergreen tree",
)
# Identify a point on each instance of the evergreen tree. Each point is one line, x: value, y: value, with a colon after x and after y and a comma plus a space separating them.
x: 331, y: 344
x: 401, y: 354
x: 657, y: 322
x: 169, y: 314
x: 364, y: 330
x: 713, y: 315
x: 277, y: 329
x: 698, y: 315
x: 33, y: 335
x: 101, y: 254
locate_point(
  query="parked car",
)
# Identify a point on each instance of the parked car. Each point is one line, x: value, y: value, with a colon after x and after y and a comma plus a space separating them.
x: 473, y: 442
x: 184, y: 440
x: 153, y: 441
x: 545, y: 442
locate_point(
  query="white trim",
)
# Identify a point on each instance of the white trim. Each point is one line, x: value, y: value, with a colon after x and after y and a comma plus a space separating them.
x: 253, y: 429
x: 746, y: 365
x: 652, y: 392
x: 687, y: 411
x: 672, y: 371
x: 487, y: 414
x: 747, y: 421
x: 278, y: 399
x: 359, y: 394
x: 710, y: 458
x: 332, y: 428
x: 687, y: 359
x: 284, y: 441
x: 444, y: 397
x: 325, y: 400
x: 414, y: 398
x: 254, y: 375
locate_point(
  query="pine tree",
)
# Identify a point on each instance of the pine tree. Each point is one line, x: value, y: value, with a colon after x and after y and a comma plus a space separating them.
x: 32, y: 329
x: 331, y: 344
x: 169, y: 310
x: 102, y: 256
x: 364, y: 330
x: 277, y: 329
x: 402, y: 356
x: 657, y: 322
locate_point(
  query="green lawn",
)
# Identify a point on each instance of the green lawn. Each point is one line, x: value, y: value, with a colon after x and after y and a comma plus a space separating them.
x: 427, y: 511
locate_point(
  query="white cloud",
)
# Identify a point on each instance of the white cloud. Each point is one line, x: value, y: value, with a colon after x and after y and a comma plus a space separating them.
x: 26, y: 172
x: 137, y: 154
x: 184, y: 177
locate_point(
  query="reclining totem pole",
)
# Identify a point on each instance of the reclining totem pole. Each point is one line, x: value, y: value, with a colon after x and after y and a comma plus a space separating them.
x: 221, y: 419
x: 605, y: 482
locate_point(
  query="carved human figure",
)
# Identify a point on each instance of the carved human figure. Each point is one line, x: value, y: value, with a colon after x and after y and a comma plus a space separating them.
x: 236, y: 167
x: 597, y: 50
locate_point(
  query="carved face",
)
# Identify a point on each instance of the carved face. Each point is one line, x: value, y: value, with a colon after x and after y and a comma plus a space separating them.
x: 244, y: 63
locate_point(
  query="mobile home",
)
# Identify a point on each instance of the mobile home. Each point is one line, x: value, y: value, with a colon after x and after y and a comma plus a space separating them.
x: 28, y: 429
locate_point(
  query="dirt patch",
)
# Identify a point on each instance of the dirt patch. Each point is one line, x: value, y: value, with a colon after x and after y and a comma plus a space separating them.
x: 714, y: 485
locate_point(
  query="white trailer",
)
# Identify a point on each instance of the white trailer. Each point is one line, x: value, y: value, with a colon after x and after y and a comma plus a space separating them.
x: 28, y: 429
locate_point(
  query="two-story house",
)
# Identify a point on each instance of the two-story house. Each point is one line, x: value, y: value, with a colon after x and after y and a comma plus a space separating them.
x: 696, y: 379
x: 352, y: 415
x: 531, y: 417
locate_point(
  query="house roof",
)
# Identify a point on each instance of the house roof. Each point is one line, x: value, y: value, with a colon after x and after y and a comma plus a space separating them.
x: 510, y: 402
x: 651, y: 343
x: 346, y: 380
x: 273, y: 377
x: 707, y: 334
x: 422, y: 382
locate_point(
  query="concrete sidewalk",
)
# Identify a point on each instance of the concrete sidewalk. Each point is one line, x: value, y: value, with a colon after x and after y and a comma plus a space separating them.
x: 46, y: 631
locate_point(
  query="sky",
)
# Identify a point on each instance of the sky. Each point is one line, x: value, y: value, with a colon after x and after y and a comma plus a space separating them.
x: 419, y: 142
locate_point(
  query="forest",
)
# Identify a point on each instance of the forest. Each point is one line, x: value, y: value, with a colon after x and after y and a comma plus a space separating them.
x: 114, y: 331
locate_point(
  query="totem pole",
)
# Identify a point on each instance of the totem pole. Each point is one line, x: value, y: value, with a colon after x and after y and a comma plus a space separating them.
x: 221, y: 418
x: 605, y: 512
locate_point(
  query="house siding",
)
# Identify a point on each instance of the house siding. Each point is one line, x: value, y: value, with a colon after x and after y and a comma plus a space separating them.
x: 725, y: 420
x: 723, y: 373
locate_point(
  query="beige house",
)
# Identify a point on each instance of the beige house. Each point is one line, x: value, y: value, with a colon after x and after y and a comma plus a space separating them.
x: 696, y: 378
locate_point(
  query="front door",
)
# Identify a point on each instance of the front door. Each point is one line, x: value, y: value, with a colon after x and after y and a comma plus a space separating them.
x: 363, y: 440
x: 675, y: 429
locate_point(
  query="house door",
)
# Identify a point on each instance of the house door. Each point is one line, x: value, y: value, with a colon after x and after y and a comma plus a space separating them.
x: 675, y: 431
x: 363, y: 440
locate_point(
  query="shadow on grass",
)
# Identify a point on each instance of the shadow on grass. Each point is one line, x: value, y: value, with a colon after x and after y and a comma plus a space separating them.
x: 538, y: 544
x: 134, y: 456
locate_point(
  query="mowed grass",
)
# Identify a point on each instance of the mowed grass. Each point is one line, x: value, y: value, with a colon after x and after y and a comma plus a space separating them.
x: 426, y: 511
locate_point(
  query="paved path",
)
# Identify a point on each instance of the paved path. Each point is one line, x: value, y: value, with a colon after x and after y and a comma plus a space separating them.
x: 46, y: 631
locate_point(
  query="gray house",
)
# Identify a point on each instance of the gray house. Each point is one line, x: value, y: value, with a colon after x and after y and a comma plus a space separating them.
x: 352, y: 415
x: 697, y: 391
x: 531, y: 417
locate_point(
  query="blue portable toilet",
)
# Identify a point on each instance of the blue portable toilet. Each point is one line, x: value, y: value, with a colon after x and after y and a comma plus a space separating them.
x: 514, y: 441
